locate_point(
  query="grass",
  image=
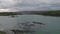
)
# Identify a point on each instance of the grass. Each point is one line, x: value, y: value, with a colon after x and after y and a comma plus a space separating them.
x: 9, y: 13
x: 47, y: 13
x: 2, y: 32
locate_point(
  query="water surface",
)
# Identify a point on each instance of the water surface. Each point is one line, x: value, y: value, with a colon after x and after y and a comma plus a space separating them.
x: 52, y: 23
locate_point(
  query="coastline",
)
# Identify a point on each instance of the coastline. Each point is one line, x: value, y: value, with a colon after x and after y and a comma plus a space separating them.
x: 45, y: 13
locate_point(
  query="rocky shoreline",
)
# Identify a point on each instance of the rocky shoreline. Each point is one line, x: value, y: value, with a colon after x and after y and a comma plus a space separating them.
x: 27, y: 28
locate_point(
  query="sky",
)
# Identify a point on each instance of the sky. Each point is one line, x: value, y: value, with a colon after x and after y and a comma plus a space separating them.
x: 24, y: 5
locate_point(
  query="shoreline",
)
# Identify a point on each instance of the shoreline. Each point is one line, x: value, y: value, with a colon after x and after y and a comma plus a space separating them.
x: 45, y: 13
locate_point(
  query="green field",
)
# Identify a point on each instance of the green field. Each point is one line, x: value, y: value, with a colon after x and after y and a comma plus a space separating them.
x: 47, y: 13
x: 2, y: 32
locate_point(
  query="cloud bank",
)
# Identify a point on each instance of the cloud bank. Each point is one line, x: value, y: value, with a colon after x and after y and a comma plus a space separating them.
x: 30, y: 4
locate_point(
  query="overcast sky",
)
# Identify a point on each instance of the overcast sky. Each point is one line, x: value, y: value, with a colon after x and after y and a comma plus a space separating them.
x: 30, y: 4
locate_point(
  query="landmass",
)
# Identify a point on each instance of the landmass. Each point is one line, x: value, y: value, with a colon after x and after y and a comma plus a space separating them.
x: 10, y: 13
x: 46, y: 13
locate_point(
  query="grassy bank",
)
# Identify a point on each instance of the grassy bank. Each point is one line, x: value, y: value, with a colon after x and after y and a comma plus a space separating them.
x: 47, y: 13
x: 2, y: 32
x: 10, y: 13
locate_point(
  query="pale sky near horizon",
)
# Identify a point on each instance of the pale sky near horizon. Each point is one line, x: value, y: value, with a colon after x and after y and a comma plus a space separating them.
x: 30, y: 4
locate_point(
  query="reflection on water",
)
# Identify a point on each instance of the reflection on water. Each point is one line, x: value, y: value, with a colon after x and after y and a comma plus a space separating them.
x: 52, y: 23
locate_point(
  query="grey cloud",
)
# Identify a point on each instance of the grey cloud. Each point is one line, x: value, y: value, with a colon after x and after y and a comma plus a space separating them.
x: 30, y: 4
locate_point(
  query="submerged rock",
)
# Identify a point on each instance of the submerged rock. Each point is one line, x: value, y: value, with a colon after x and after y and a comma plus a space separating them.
x: 38, y: 23
x: 21, y: 31
x: 8, y: 31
